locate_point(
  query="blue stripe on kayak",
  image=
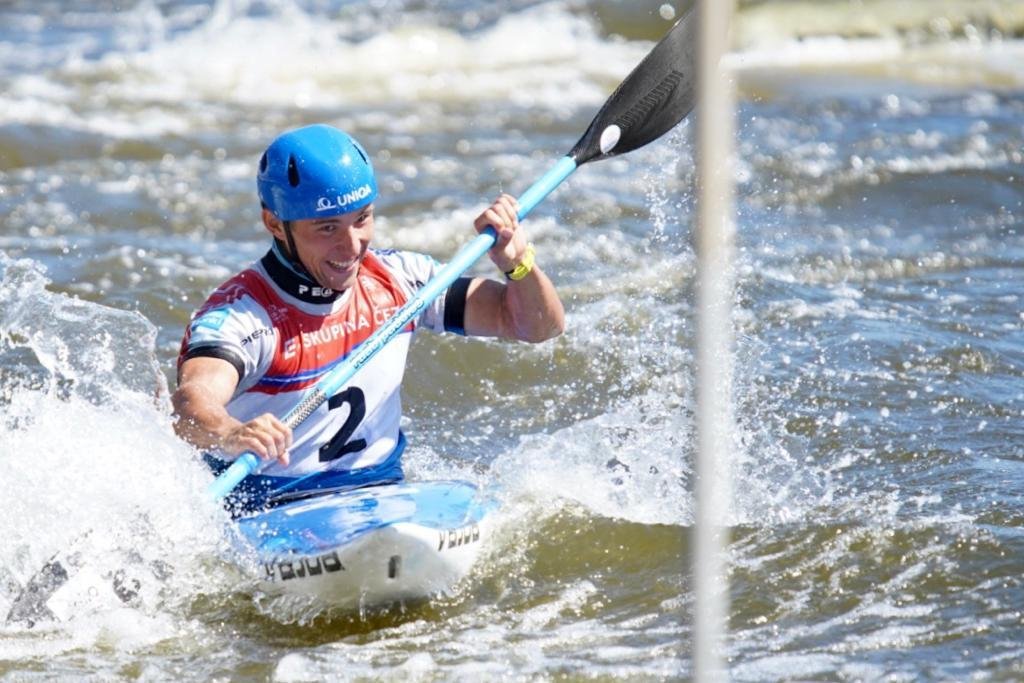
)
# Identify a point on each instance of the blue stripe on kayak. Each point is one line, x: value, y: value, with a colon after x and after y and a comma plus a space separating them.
x: 329, y: 522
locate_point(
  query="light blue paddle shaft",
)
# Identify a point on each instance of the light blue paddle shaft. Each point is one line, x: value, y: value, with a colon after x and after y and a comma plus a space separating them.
x: 248, y: 463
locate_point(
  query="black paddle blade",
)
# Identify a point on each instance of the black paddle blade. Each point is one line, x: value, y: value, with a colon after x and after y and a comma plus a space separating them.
x: 656, y: 96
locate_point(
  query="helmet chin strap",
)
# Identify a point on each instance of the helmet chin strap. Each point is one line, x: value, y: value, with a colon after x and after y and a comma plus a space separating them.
x: 292, y: 253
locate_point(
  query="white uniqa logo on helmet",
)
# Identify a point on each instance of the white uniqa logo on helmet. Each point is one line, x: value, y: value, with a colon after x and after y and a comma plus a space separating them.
x: 343, y: 200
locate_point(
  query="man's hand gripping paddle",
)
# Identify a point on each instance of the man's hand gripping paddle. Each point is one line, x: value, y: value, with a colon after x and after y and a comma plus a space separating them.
x: 652, y: 99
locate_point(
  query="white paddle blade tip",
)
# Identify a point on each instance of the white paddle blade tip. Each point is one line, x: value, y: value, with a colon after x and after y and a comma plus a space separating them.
x: 609, y: 138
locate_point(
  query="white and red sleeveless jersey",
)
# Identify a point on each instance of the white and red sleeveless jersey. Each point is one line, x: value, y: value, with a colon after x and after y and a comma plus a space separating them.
x: 282, y: 334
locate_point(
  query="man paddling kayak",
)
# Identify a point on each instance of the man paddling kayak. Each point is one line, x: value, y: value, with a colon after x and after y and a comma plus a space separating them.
x: 270, y: 332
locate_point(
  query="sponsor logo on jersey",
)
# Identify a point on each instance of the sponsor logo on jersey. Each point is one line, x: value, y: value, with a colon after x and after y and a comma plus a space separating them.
x: 262, y: 332
x: 325, y: 335
x: 378, y: 295
x: 211, y: 320
x: 382, y: 315
x: 291, y: 347
x: 278, y: 314
x: 329, y: 333
x: 323, y: 292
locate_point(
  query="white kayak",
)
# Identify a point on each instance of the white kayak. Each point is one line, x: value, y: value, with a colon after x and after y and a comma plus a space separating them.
x: 371, y: 546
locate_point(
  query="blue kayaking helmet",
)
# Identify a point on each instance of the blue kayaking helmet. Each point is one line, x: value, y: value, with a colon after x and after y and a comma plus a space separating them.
x: 315, y: 171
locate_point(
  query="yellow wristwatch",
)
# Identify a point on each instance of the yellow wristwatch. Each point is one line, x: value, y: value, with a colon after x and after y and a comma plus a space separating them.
x: 525, y: 266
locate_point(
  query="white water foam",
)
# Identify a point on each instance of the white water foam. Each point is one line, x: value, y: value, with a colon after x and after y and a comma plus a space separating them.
x: 95, y: 470
x: 545, y: 57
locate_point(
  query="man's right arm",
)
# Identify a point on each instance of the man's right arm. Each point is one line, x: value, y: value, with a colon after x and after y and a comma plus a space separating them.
x: 205, y: 385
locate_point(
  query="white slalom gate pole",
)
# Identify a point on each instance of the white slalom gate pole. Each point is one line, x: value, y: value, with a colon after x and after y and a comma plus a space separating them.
x: 715, y: 235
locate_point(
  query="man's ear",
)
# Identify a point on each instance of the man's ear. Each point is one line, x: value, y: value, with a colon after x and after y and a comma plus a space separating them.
x: 273, y: 225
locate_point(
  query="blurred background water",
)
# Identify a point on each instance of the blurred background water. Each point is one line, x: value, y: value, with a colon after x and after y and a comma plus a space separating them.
x: 877, y: 524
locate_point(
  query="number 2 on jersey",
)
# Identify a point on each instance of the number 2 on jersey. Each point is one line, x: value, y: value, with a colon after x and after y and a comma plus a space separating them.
x: 339, y: 445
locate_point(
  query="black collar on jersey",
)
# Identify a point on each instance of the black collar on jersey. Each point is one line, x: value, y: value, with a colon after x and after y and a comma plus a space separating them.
x: 298, y: 285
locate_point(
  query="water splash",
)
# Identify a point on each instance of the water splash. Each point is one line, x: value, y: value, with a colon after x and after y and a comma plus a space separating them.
x: 94, y: 470
x: 80, y: 348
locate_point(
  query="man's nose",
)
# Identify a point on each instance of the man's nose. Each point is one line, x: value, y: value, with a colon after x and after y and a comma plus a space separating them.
x: 348, y: 240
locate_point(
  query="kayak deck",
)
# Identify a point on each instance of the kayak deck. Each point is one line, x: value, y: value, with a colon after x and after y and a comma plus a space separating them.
x: 371, y: 546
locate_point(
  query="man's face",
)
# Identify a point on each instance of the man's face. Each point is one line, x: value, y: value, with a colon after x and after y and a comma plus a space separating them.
x: 330, y: 248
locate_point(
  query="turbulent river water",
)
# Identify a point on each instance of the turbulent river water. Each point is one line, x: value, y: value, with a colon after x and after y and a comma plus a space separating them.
x: 876, y: 523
